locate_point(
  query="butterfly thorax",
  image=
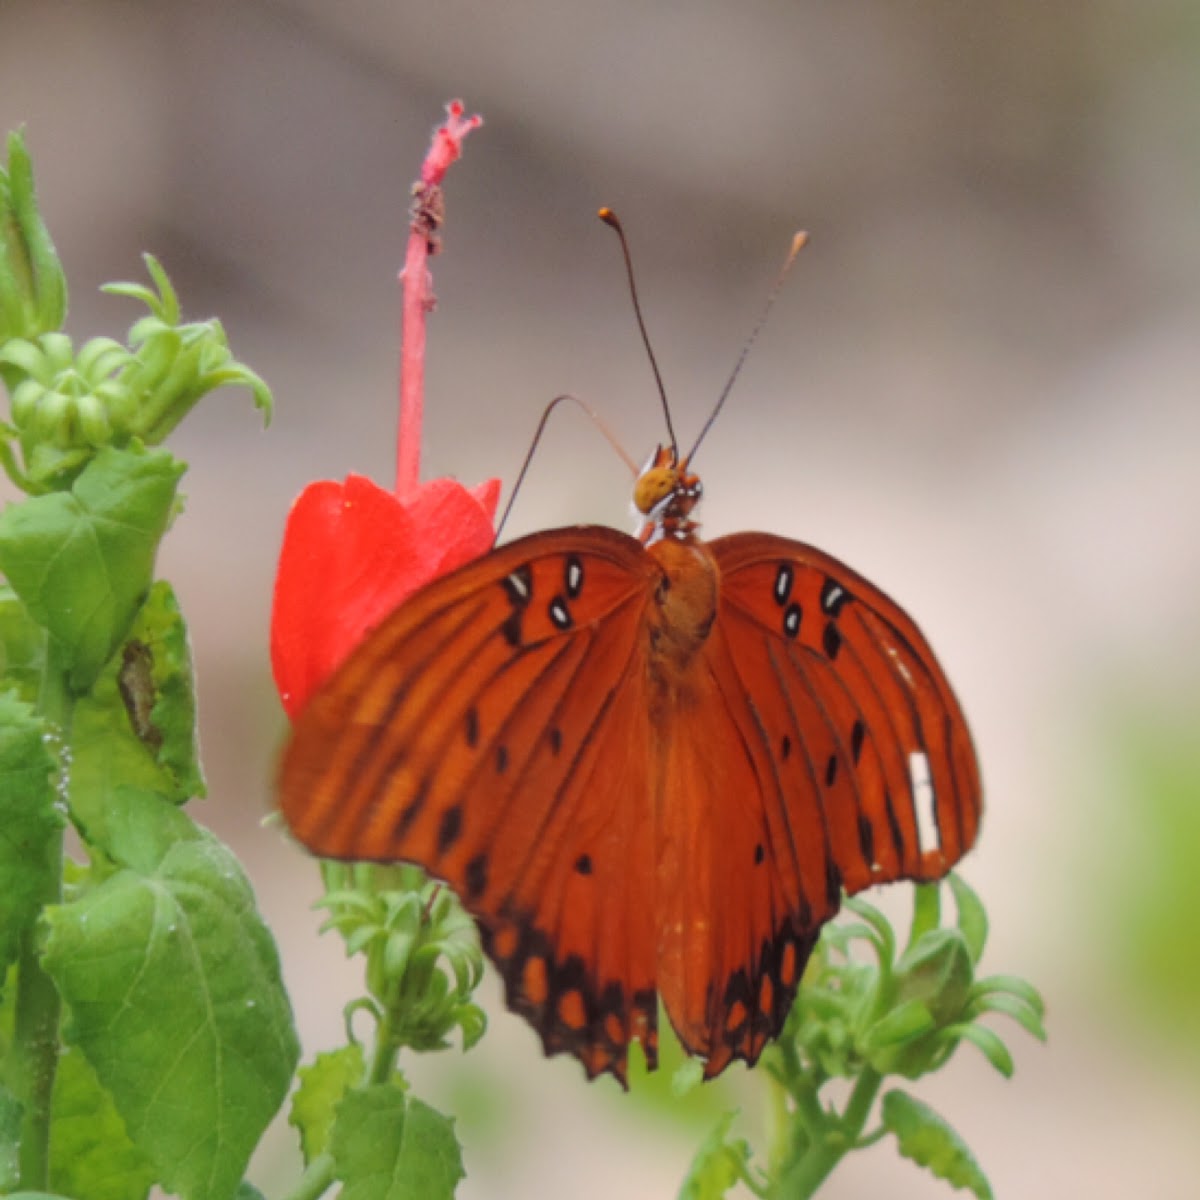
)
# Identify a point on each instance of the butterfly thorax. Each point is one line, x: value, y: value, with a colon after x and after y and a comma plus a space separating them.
x: 685, y: 606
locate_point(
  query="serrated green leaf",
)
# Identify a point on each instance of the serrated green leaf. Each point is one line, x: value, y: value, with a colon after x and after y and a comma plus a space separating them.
x: 10, y: 1141
x: 30, y: 824
x: 91, y: 1156
x: 390, y: 1146
x: 106, y: 758
x: 174, y: 994
x: 81, y: 561
x: 157, y: 686
x: 22, y: 647
x: 322, y: 1086
x: 136, y: 727
x: 972, y: 917
x: 926, y: 1139
x: 719, y: 1164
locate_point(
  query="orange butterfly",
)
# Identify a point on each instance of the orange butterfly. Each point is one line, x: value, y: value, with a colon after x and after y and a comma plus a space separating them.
x: 648, y: 766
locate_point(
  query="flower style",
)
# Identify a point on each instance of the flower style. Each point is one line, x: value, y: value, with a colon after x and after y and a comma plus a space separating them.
x: 352, y: 551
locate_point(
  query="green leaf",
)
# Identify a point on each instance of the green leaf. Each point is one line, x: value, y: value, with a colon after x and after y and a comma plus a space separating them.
x: 174, y: 994
x: 322, y: 1086
x: 389, y: 1146
x: 972, y: 917
x: 30, y: 824
x: 81, y: 562
x: 719, y: 1164
x: 10, y: 1141
x: 170, y: 725
x: 22, y: 647
x: 91, y: 1156
x: 930, y: 1142
x: 136, y: 727
x: 247, y: 1191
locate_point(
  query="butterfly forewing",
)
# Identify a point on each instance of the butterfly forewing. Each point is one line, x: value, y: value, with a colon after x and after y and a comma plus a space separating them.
x: 493, y: 730
x: 859, y: 700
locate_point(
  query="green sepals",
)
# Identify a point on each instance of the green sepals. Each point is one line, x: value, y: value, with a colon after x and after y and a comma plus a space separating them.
x: 33, y: 288
x: 30, y: 822
x: 175, y: 364
x: 322, y: 1086
x: 81, y: 561
x: 173, y: 990
x: 90, y: 1153
x: 388, y: 1145
x: 423, y: 955
x: 925, y: 1138
x: 720, y: 1164
x: 972, y: 917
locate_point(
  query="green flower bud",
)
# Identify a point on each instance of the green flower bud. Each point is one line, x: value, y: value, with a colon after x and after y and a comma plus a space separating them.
x: 33, y: 288
x: 938, y: 972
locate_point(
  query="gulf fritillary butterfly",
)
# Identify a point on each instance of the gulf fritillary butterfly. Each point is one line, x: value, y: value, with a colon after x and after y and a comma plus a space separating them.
x: 648, y: 766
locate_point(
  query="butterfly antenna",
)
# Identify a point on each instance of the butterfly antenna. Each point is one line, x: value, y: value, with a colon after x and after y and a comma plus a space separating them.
x: 798, y: 242
x: 611, y: 220
x: 537, y: 437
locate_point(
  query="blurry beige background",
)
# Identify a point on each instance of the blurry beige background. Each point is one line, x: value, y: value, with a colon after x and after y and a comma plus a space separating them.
x: 981, y: 388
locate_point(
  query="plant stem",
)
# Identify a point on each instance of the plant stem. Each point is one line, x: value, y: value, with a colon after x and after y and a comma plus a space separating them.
x: 35, y: 1046
x: 318, y: 1177
x: 830, y: 1141
x: 386, y: 1051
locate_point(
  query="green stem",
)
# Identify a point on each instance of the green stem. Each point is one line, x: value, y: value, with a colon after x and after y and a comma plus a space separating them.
x: 35, y: 1047
x: 317, y: 1179
x: 830, y: 1141
x: 386, y: 1051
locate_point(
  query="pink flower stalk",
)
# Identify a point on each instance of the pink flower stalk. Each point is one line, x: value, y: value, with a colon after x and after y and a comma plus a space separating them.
x: 353, y: 551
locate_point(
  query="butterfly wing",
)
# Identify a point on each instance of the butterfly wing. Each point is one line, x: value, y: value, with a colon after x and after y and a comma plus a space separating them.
x: 493, y: 729
x: 820, y: 747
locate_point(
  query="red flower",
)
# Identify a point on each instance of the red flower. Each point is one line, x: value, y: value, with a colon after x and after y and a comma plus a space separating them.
x: 353, y: 551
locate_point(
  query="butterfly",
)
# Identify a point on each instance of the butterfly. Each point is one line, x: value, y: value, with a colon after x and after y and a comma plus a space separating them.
x: 649, y: 766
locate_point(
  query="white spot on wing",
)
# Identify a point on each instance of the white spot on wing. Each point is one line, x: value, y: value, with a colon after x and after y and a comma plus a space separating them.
x: 518, y: 585
x: 928, y: 837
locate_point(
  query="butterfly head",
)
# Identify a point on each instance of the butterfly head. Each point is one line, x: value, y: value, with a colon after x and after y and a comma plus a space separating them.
x: 665, y: 494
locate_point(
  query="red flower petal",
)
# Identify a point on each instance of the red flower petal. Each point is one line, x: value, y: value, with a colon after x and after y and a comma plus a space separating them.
x: 351, y: 553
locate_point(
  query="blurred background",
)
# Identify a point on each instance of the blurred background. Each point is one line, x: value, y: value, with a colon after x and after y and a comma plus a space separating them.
x: 981, y: 388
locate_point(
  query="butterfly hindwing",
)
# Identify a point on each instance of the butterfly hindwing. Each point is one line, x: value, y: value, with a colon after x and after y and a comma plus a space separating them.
x: 493, y: 730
